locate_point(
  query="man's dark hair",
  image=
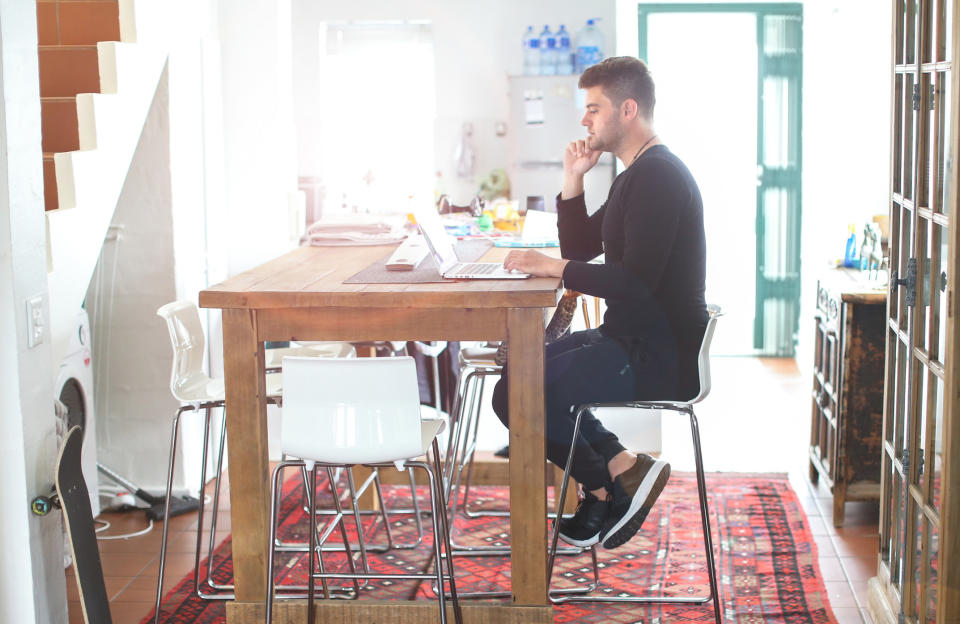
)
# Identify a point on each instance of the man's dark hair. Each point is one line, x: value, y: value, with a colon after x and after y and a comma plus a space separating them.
x: 621, y: 78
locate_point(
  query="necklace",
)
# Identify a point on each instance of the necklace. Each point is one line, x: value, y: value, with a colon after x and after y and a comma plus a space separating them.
x: 637, y: 155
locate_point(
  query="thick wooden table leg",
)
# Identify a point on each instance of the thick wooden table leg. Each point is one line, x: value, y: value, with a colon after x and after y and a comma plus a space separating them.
x: 246, y: 414
x: 528, y: 497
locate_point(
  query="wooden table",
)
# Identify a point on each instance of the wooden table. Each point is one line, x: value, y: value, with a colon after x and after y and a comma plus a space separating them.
x: 301, y: 296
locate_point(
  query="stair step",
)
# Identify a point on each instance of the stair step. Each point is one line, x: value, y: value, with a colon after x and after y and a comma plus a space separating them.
x: 68, y: 70
x: 58, y: 124
x: 49, y: 182
x: 78, y: 22
x: 48, y: 31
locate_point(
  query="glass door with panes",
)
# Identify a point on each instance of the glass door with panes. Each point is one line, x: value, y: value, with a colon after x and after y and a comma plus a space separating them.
x: 744, y: 149
x: 917, y: 576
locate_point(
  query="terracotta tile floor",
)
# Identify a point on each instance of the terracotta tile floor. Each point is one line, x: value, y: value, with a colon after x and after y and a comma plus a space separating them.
x: 769, y: 397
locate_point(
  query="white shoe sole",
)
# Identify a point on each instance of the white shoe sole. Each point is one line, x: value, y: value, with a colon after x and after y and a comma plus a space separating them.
x: 581, y: 543
x: 617, y: 536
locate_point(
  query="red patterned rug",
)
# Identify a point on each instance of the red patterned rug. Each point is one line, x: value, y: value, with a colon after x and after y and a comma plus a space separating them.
x: 766, y: 557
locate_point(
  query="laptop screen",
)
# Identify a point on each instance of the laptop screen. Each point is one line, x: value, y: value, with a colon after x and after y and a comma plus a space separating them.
x: 439, y: 242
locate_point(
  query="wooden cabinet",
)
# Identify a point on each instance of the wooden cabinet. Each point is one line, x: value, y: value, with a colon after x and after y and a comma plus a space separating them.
x: 847, y: 398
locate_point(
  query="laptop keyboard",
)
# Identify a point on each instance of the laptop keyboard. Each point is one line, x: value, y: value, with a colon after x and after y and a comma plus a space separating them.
x: 478, y: 268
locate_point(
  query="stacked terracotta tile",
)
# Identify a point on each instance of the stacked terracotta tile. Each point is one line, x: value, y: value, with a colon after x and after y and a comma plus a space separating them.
x: 68, y: 32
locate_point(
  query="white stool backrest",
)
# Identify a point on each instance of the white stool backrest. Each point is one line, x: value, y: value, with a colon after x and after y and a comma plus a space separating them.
x: 188, y: 342
x: 350, y: 410
x: 703, y: 360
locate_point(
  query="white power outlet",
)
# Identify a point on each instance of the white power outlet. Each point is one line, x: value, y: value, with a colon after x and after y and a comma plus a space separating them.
x: 36, y: 329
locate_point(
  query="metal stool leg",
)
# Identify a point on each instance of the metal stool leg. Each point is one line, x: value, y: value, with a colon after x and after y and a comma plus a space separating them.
x: 213, y: 520
x: 166, y: 509
x: 442, y: 539
x: 316, y: 550
x: 705, y: 515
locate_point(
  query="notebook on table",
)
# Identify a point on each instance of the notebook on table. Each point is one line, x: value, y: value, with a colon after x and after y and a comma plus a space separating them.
x: 443, y: 252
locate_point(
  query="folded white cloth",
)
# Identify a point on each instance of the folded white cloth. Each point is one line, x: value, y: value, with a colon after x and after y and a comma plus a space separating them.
x: 355, y: 230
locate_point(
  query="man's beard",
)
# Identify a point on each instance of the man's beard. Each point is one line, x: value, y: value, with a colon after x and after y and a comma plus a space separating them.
x: 595, y: 142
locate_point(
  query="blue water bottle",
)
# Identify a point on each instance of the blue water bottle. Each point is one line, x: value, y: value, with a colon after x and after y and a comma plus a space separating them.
x: 589, y: 46
x: 548, y: 52
x: 564, y: 60
x: 850, y: 253
x: 531, y: 53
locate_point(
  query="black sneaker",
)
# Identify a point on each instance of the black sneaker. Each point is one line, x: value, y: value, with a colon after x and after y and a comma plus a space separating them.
x: 634, y: 493
x: 583, y: 529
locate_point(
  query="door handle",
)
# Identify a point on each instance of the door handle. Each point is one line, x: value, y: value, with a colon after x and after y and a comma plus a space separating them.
x: 910, y: 281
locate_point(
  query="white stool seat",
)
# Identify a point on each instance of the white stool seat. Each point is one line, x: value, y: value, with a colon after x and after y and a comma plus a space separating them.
x: 478, y: 356
x: 274, y: 357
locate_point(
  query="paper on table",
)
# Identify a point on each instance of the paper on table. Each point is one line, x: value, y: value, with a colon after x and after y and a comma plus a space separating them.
x: 539, y: 230
x: 355, y: 230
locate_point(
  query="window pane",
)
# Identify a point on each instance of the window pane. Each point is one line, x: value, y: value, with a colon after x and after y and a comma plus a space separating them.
x: 887, y: 507
x: 890, y: 400
x: 780, y: 139
x: 781, y: 35
x: 906, y: 249
x: 934, y: 552
x: 919, y: 566
x: 907, y: 136
x: 911, y: 28
x: 896, y: 537
x: 921, y: 402
x: 923, y: 272
x: 937, y: 455
x: 945, y: 30
x: 899, y: 104
x: 945, y: 99
x: 941, y: 300
x: 903, y: 362
x: 893, y: 257
x: 374, y: 157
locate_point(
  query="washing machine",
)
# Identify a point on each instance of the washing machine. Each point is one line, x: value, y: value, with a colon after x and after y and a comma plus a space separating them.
x: 74, y: 388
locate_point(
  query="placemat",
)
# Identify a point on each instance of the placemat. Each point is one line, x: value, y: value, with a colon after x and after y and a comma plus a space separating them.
x: 468, y: 250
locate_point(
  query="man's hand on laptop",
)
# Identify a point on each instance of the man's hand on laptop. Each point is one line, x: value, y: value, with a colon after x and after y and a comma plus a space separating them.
x: 534, y: 263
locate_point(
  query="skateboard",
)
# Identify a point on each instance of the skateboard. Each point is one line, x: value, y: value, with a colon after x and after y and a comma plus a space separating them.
x: 74, y: 500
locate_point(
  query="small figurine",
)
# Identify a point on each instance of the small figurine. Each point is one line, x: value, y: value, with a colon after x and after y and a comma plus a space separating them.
x: 871, y: 252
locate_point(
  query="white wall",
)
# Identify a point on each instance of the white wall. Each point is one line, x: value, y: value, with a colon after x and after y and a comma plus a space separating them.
x: 136, y: 275
x: 207, y: 197
x: 846, y: 136
x: 476, y: 45
x: 32, y: 587
x: 259, y: 144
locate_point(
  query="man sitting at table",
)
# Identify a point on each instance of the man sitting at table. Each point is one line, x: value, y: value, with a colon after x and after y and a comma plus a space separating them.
x: 650, y: 231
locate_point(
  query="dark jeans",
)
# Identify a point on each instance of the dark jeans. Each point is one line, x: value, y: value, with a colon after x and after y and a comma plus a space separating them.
x: 589, y: 367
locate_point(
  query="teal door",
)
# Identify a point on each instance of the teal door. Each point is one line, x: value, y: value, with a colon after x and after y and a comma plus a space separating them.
x: 750, y: 193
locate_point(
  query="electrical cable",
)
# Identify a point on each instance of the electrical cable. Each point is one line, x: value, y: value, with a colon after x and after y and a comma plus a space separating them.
x: 123, y: 535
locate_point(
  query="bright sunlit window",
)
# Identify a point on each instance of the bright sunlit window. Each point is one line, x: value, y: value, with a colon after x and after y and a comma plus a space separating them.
x: 378, y: 115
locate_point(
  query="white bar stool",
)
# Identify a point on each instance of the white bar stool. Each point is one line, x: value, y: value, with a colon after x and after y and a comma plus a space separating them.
x: 683, y: 407
x: 342, y: 412
x: 196, y: 391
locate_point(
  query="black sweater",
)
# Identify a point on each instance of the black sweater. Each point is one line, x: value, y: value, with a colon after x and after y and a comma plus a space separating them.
x: 650, y: 231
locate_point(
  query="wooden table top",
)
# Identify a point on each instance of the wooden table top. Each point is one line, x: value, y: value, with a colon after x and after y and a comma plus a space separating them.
x: 309, y: 277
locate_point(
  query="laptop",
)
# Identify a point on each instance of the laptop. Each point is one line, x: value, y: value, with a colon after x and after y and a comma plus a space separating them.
x: 444, y: 253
